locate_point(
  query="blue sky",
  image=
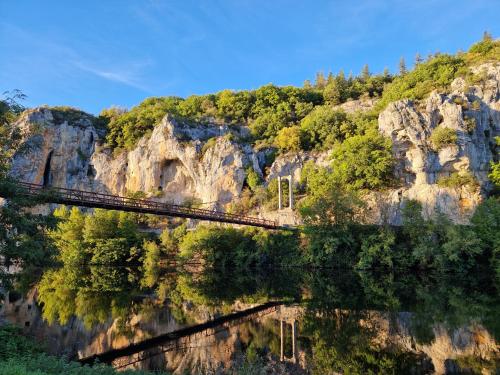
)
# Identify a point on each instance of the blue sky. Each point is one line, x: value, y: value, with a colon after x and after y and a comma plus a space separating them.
x: 93, y: 54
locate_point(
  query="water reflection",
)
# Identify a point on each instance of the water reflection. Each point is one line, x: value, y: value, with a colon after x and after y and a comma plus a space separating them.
x: 289, y: 320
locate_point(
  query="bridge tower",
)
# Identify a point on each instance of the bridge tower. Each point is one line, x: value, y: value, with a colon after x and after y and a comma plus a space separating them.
x: 294, y: 358
x: 290, y: 192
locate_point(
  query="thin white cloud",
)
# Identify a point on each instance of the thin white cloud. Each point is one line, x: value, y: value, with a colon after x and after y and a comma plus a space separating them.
x: 126, y: 76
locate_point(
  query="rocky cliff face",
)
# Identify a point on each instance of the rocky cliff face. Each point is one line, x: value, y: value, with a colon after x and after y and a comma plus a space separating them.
x: 179, y: 162
x: 175, y: 163
x: 474, y: 113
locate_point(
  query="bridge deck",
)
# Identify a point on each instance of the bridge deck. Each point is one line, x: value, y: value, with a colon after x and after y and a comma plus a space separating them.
x: 114, y: 202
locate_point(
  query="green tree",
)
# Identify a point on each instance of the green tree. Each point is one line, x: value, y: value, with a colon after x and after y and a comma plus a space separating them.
x: 289, y: 139
x: 402, y: 66
x: 363, y: 161
x: 365, y: 73
x: 324, y: 126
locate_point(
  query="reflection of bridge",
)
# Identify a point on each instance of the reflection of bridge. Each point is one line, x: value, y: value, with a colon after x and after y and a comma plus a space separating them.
x: 170, y: 341
x: 146, y: 206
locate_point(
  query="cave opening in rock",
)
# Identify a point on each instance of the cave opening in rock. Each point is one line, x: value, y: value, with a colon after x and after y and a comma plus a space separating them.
x: 47, y: 175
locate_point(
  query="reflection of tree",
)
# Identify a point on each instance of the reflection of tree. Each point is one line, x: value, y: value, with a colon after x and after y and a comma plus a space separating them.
x: 346, y: 341
x: 98, y: 294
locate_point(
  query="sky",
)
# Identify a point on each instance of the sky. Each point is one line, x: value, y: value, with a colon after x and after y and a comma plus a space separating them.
x: 93, y: 54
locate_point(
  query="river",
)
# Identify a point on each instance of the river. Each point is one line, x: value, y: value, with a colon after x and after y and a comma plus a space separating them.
x: 282, y: 321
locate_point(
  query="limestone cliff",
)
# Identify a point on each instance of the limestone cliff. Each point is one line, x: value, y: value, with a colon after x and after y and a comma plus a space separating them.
x: 474, y: 112
x: 179, y: 162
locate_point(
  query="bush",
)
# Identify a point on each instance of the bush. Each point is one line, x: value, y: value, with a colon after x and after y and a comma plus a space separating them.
x: 458, y: 180
x: 442, y: 137
x: 253, y: 179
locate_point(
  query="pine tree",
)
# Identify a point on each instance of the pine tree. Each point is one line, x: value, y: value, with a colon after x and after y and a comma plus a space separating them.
x: 307, y: 84
x: 386, y: 73
x: 365, y: 73
x: 402, y: 66
x: 487, y: 36
x: 320, y: 80
x: 418, y: 59
x: 330, y: 78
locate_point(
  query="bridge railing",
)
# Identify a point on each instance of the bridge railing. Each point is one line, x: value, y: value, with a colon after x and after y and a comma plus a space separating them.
x: 117, y: 201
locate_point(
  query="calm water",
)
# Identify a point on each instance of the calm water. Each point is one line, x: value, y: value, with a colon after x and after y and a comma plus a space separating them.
x: 278, y: 321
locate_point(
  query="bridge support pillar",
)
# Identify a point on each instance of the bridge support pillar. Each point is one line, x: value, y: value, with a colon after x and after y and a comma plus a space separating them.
x: 280, y: 200
x: 294, y: 341
x: 282, y: 340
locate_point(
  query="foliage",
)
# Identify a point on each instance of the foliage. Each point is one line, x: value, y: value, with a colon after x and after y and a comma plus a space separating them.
x: 363, y: 161
x: 253, y: 179
x: 495, y: 168
x: 93, y: 250
x: 327, y: 203
x: 20, y: 355
x: 289, y: 139
x: 266, y: 110
x: 126, y: 129
x: 224, y: 248
x: 442, y: 137
x: 324, y: 126
x: 459, y: 179
x: 437, y: 73
x: 377, y: 250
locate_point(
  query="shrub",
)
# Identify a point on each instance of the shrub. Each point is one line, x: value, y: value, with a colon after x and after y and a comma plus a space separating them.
x: 495, y: 173
x: 457, y: 180
x: 470, y: 124
x: 495, y: 168
x: 208, y: 145
x: 253, y: 179
x: 442, y: 137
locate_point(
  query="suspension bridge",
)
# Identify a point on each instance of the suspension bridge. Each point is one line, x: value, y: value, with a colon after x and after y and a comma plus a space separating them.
x: 90, y: 199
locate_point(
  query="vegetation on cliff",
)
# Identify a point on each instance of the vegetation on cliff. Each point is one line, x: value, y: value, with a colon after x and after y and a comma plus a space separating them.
x: 271, y: 108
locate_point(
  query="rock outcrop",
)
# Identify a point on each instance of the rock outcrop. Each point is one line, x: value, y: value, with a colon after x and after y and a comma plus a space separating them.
x: 174, y: 164
x: 474, y: 113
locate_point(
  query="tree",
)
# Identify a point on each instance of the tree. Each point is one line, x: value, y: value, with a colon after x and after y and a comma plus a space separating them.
x: 323, y: 127
x: 418, y: 59
x: 320, y: 82
x: 335, y: 91
x: 402, y: 66
x: 363, y: 161
x: 365, y: 73
x: 487, y: 36
x: 289, y: 139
